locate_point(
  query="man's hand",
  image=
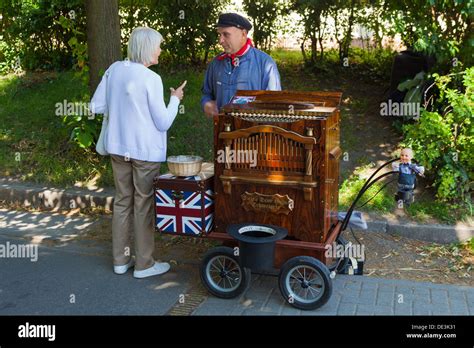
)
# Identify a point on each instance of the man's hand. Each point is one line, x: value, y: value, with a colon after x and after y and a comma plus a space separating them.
x: 210, y: 108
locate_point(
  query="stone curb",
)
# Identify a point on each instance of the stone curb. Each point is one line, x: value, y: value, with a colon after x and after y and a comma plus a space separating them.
x: 50, y: 198
x: 436, y: 233
x: 42, y: 197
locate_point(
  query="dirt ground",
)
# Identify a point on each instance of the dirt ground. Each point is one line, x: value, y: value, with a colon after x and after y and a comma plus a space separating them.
x: 397, y: 257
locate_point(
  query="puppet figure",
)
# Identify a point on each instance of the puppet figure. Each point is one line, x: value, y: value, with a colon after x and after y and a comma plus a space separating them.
x: 407, y: 176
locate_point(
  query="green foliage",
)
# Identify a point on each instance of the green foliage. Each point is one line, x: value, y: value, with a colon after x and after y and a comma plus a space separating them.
x: 33, y: 35
x: 30, y: 128
x: 375, y: 63
x: 444, y: 140
x: 9, y: 59
x: 346, y: 13
x: 84, y: 129
x: 78, y: 45
x: 334, y: 20
x: 264, y: 15
x: 34, y: 142
x: 444, y: 212
x: 314, y: 19
x: 187, y: 26
x: 371, y: 17
x: 442, y: 28
x: 382, y: 202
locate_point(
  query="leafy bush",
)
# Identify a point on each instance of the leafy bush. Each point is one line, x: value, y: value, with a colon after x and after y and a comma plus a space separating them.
x: 443, y: 139
x: 188, y: 27
x: 264, y: 15
x: 9, y: 59
x: 84, y: 129
x: 78, y: 46
x: 33, y: 36
x: 375, y: 63
x: 442, y: 28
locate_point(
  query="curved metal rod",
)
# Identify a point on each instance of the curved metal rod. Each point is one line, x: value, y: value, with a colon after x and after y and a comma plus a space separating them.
x: 361, y: 192
x: 364, y: 187
x: 373, y: 174
x: 386, y: 184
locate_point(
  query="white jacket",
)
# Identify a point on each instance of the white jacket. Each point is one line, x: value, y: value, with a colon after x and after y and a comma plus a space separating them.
x: 132, y: 95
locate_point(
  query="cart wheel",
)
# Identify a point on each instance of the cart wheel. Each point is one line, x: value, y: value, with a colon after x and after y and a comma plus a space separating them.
x: 304, y: 282
x: 333, y: 264
x: 222, y: 274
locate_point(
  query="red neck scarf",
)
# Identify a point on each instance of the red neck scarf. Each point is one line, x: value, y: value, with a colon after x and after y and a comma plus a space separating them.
x: 234, y: 58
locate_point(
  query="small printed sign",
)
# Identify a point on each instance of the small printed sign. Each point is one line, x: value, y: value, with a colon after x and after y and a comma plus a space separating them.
x: 276, y: 204
x: 242, y: 100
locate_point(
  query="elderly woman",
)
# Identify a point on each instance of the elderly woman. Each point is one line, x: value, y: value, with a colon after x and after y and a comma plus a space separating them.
x: 132, y: 95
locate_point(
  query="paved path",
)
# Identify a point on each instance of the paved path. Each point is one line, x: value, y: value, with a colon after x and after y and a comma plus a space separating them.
x: 78, y: 280
x: 352, y: 295
x: 75, y: 277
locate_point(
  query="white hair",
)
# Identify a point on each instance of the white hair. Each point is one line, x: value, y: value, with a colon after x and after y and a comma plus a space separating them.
x: 143, y: 44
x: 408, y: 151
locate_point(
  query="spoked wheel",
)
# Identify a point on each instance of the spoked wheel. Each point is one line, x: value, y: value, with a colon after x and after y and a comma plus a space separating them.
x: 338, y: 264
x: 222, y: 274
x: 305, y: 283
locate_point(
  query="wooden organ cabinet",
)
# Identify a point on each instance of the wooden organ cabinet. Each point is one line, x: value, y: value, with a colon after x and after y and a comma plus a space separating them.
x: 293, y: 180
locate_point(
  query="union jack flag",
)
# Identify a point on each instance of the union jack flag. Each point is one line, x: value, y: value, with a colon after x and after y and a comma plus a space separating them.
x: 184, y: 212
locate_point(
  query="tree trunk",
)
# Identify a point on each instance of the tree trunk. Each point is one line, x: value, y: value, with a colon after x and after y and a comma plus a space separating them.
x: 348, y: 36
x: 314, y: 48
x: 303, y: 52
x: 321, y: 54
x: 336, y: 35
x: 103, y: 38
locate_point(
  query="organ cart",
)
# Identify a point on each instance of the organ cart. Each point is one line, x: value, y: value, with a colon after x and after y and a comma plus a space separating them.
x: 273, y: 199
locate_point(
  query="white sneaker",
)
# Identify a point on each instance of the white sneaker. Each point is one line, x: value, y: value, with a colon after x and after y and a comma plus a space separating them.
x: 124, y: 268
x: 156, y: 269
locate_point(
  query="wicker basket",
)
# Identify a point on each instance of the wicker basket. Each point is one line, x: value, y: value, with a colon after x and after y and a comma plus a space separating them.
x: 184, y: 165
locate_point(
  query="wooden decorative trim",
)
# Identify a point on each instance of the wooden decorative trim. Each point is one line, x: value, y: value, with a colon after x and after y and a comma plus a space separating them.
x: 245, y: 133
x: 227, y: 187
x: 288, y: 243
x: 268, y: 181
x: 335, y: 152
x: 309, y: 162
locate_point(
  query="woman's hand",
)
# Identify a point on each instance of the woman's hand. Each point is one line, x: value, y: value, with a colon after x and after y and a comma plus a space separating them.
x: 178, y: 92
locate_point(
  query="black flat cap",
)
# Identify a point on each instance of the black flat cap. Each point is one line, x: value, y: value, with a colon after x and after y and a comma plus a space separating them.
x: 233, y: 20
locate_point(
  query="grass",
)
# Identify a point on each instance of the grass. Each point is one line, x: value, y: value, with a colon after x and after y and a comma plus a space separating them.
x: 381, y: 202
x: 192, y: 131
x: 34, y: 142
x: 425, y: 209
